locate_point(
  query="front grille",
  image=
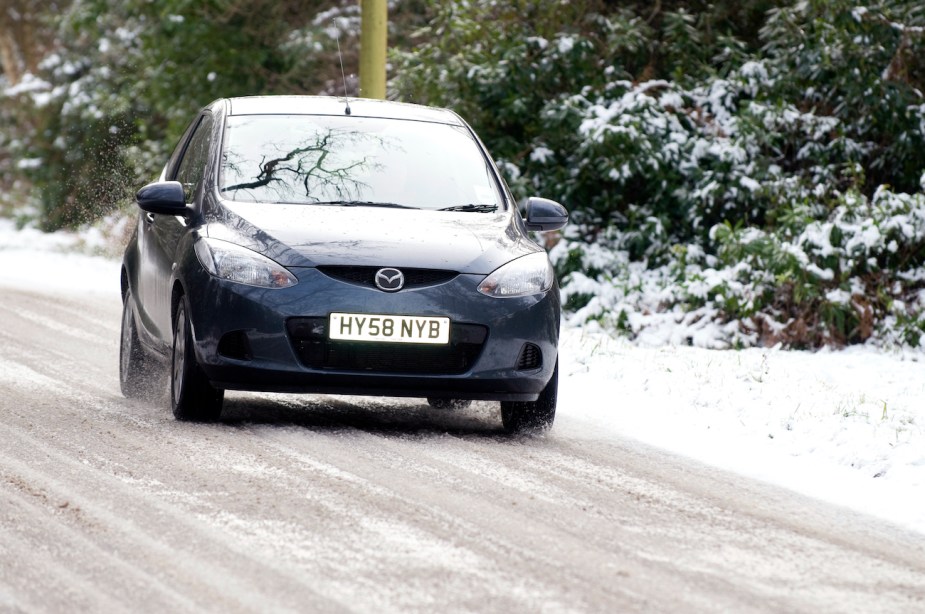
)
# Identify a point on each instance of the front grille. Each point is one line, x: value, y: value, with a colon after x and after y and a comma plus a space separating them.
x: 316, y: 351
x: 366, y: 275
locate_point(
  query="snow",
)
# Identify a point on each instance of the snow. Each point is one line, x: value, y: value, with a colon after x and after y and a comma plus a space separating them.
x: 37, y: 261
x: 844, y: 426
x: 566, y: 44
x: 541, y: 154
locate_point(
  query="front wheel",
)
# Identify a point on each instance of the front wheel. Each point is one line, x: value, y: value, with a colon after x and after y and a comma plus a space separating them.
x: 538, y: 415
x: 192, y: 397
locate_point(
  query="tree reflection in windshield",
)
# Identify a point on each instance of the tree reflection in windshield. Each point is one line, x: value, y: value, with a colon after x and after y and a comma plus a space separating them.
x: 305, y: 174
x: 324, y: 159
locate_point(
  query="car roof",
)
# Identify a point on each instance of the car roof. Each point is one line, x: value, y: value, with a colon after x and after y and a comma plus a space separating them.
x: 329, y: 105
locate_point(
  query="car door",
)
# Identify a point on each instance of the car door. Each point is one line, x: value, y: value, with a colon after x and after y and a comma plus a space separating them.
x: 162, y: 233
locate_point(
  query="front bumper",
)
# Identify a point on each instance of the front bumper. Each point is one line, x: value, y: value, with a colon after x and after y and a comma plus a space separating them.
x: 265, y: 355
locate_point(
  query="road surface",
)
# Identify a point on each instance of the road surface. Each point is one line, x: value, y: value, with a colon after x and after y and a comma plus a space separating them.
x: 329, y: 504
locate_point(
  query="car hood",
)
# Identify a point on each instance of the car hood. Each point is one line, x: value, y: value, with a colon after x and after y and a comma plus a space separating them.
x: 317, y: 235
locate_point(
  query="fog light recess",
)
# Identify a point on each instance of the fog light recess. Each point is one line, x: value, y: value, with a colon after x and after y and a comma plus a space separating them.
x: 235, y: 345
x: 531, y: 357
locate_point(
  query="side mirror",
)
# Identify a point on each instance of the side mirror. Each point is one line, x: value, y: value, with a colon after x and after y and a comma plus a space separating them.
x: 165, y: 197
x: 544, y: 214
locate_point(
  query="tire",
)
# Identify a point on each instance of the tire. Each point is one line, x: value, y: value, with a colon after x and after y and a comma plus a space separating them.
x: 138, y: 376
x: 192, y: 397
x: 448, y: 403
x: 538, y: 415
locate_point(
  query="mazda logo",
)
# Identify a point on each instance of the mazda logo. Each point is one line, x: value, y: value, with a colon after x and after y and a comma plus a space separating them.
x: 390, y: 280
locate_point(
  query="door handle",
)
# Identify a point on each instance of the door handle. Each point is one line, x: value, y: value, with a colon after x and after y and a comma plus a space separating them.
x: 149, y: 217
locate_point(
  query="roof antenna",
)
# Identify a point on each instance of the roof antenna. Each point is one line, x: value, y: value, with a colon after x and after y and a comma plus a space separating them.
x: 341, y: 57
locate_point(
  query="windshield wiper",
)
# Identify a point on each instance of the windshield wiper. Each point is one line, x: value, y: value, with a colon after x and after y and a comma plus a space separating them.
x: 362, y: 203
x: 475, y: 208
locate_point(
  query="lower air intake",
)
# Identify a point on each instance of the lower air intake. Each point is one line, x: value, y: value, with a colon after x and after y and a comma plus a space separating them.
x: 316, y: 351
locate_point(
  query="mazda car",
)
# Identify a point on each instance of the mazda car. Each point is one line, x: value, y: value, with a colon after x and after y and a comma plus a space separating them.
x: 339, y: 246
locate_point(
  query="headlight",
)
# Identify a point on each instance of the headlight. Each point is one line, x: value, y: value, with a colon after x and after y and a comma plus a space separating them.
x: 522, y: 277
x: 235, y: 263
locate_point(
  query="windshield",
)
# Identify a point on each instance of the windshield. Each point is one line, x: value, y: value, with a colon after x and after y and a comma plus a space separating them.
x: 358, y: 161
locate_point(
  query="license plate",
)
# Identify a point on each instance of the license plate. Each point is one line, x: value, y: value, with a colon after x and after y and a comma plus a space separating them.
x: 389, y: 329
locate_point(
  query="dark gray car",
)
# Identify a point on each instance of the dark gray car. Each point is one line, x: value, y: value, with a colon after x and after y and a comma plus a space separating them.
x: 311, y: 244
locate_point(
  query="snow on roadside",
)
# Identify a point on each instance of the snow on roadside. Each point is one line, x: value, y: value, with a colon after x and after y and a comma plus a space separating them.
x: 847, y: 427
x: 54, y: 262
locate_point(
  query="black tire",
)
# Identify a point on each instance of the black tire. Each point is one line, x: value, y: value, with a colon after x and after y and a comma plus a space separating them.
x: 448, y: 403
x: 538, y: 415
x: 138, y: 377
x: 192, y: 397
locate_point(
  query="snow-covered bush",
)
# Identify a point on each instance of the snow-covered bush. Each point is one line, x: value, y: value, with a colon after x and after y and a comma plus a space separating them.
x: 727, y: 189
x: 855, y: 275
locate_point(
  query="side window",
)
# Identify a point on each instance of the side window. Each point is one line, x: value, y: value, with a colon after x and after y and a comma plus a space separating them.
x: 193, y: 164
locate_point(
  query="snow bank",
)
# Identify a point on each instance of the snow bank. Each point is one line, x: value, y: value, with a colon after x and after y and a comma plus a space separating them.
x: 53, y: 263
x: 847, y: 427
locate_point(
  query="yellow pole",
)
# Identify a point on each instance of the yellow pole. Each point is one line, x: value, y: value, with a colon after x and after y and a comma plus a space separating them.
x: 373, y: 34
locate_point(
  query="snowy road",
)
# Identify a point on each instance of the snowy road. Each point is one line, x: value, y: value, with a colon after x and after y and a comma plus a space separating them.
x: 342, y: 504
